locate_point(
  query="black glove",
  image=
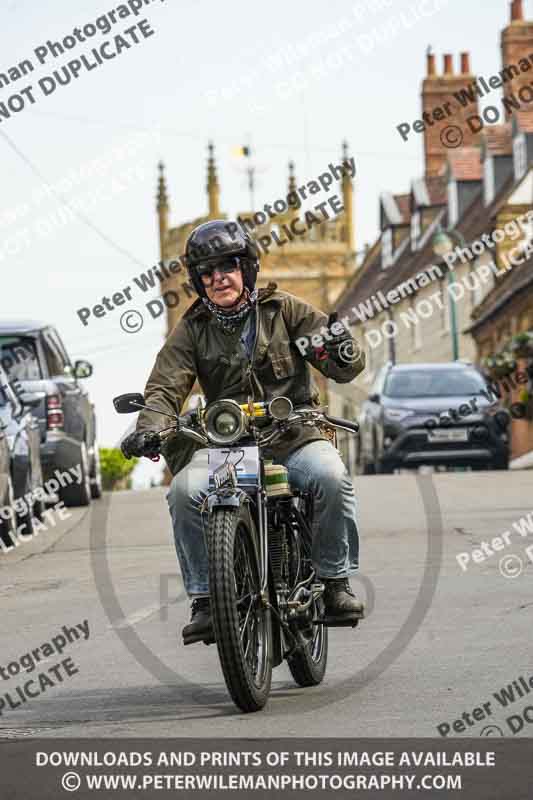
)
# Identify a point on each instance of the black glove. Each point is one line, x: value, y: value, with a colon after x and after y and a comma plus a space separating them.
x: 145, y: 443
x: 342, y: 349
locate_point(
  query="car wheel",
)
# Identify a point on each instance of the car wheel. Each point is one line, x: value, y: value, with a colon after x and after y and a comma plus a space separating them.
x: 78, y: 494
x: 96, y: 474
x: 384, y: 469
x: 8, y: 526
x: 501, y: 463
x: 26, y: 518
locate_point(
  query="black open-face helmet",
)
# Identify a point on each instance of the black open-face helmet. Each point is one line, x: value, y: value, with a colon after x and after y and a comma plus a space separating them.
x: 216, y: 241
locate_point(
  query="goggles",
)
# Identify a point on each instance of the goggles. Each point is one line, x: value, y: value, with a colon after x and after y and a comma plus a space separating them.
x: 229, y: 264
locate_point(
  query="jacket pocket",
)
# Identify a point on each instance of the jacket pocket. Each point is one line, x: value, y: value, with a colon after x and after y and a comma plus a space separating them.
x: 283, y: 366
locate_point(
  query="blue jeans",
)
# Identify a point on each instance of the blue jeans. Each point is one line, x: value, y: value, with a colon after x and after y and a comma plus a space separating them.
x: 317, y: 467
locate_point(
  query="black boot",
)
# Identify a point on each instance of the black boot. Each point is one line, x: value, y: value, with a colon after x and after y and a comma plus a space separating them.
x: 200, y: 628
x: 341, y: 605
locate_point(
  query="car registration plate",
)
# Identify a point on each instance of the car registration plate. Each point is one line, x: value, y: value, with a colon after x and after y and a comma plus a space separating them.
x: 453, y: 435
x: 244, y: 459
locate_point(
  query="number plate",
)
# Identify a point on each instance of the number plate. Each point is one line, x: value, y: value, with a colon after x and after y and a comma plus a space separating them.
x: 245, y: 460
x: 454, y: 435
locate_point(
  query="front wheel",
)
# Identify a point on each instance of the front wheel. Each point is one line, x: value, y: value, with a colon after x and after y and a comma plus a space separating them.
x: 242, y: 623
x: 308, y: 665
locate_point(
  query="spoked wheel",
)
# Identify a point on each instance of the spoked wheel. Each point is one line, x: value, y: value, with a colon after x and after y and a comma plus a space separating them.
x: 308, y: 665
x: 242, y: 624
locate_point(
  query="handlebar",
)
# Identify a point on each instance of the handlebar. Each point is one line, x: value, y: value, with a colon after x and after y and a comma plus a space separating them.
x: 343, y: 423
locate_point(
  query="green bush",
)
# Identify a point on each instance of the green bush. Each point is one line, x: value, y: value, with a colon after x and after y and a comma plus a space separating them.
x: 116, y: 469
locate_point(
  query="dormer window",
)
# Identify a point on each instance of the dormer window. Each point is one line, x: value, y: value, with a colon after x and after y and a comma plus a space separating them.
x: 386, y: 248
x: 488, y: 180
x: 519, y: 155
x: 415, y: 230
x: 453, y: 204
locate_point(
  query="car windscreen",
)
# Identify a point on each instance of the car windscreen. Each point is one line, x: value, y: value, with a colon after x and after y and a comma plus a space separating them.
x: 18, y: 357
x: 433, y: 383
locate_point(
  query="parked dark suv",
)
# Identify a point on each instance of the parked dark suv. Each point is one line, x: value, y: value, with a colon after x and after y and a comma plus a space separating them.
x: 431, y: 414
x: 33, y: 354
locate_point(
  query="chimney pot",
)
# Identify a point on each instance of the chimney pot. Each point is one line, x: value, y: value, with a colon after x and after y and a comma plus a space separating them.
x: 465, y: 63
x: 448, y: 64
x: 517, y: 11
x: 431, y: 69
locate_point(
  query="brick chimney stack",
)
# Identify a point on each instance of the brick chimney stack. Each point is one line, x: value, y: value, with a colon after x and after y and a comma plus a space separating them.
x: 436, y: 91
x: 516, y: 43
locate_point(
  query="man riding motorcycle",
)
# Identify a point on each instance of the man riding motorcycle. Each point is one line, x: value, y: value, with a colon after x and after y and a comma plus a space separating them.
x: 238, y: 342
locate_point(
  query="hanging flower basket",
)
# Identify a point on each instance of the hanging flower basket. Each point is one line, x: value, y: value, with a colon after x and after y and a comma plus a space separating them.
x: 521, y: 345
x: 499, y: 366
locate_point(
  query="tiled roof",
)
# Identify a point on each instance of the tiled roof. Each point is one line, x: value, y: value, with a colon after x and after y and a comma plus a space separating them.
x: 402, y: 201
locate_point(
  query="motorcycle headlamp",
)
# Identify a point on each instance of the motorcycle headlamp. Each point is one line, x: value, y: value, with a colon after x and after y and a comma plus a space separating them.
x: 224, y: 422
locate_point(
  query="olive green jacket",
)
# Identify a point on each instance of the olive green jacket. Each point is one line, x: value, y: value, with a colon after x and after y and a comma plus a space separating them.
x: 197, y: 348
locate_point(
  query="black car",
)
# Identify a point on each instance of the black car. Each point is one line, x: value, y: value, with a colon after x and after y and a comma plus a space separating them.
x: 7, y: 524
x: 437, y: 414
x: 21, y: 431
x: 34, y: 354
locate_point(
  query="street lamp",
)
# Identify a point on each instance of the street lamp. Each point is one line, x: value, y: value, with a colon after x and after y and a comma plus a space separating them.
x: 444, y: 242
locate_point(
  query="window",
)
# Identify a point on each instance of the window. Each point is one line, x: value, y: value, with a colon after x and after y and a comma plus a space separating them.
x: 54, y: 358
x: 386, y: 248
x: 488, y: 180
x: 18, y: 357
x: 415, y: 230
x: 453, y: 204
x: 424, y: 382
x: 519, y: 155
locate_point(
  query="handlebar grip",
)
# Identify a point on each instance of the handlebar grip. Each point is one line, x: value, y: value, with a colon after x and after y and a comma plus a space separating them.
x: 346, y: 423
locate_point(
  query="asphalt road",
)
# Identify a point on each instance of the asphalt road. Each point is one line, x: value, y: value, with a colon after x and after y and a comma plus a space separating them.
x: 438, y: 641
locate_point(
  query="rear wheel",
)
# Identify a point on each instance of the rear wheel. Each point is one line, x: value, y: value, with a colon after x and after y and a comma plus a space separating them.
x: 96, y: 474
x: 7, y: 520
x: 242, y: 623
x: 79, y: 494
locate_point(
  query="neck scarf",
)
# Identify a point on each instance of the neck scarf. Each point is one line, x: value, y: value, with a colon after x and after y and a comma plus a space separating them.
x: 230, y: 318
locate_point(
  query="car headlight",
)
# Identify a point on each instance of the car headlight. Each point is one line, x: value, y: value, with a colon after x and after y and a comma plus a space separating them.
x: 397, y: 414
x: 224, y: 421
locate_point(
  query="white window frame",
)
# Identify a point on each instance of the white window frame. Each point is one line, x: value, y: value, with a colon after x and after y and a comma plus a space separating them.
x: 453, y: 204
x: 519, y: 155
x: 488, y: 180
x: 386, y: 248
x: 415, y: 230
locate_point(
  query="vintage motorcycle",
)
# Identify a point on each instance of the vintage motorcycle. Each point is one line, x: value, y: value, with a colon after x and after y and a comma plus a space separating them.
x: 266, y: 600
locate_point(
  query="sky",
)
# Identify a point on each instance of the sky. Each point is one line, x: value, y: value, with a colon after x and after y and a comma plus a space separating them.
x: 79, y: 165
